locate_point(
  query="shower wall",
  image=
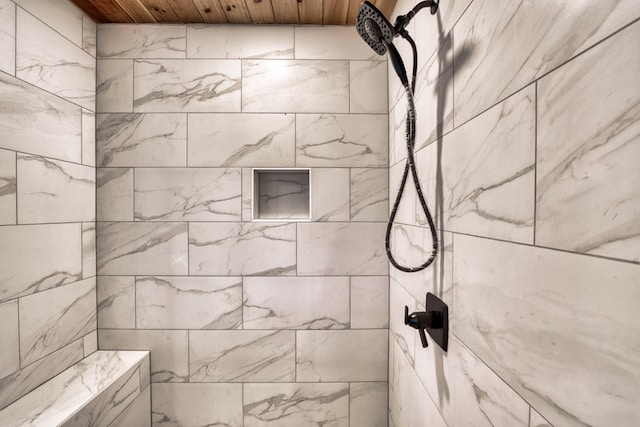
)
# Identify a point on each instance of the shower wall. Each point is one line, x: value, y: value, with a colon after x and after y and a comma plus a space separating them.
x: 528, y: 147
x: 47, y: 192
x: 245, y: 320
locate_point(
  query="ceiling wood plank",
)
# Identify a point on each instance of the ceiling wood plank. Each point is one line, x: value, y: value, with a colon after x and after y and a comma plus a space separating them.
x: 354, y: 6
x: 335, y: 12
x: 211, y: 11
x: 310, y: 11
x: 186, y: 11
x: 386, y: 7
x: 111, y: 11
x: 136, y: 10
x: 236, y: 11
x: 161, y: 10
x: 261, y: 11
x: 91, y: 11
x: 286, y: 11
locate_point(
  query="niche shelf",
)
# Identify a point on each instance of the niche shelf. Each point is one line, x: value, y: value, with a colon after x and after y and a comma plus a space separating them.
x: 281, y: 195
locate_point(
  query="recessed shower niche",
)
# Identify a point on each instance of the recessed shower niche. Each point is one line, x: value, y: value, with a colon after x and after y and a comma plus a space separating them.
x: 281, y: 195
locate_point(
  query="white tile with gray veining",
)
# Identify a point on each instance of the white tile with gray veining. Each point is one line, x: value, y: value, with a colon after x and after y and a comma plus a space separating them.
x: 536, y: 420
x: 247, y: 194
x: 46, y: 59
x: 138, y: 413
x: 239, y: 41
x: 406, y: 213
x: 165, y: 302
x: 114, y: 86
x: 341, y: 248
x: 369, y: 194
x: 282, y: 405
x: 61, y: 15
x: 54, y: 191
x: 295, y: 86
x: 196, y: 85
x: 8, y: 37
x: 532, y: 315
x: 335, y: 140
x: 242, y: 356
x: 90, y: 343
x: 187, y: 194
x: 587, y: 159
x: 397, y: 133
x: 10, y: 356
x: 88, y: 138
x: 330, y: 194
x: 55, y: 258
x: 242, y: 249
x: 404, y: 336
x: 36, y: 122
x: 332, y: 42
x: 296, y: 303
x: 88, y: 249
x: 89, y: 35
x: 52, y: 319
x: 256, y: 140
x: 8, y: 187
x: 369, y: 302
x: 368, y: 87
x: 368, y: 404
x: 170, y: 361
x: 130, y: 41
x: 139, y: 248
x: 116, y: 300
x: 142, y: 140
x: 114, y: 194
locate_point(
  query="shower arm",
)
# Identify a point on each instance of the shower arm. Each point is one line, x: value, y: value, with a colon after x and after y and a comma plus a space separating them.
x: 403, y: 20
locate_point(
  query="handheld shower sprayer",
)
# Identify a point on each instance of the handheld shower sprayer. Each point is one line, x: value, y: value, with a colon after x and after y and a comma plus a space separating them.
x: 376, y: 30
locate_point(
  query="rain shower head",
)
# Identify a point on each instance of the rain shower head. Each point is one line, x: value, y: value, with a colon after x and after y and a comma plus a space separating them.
x: 374, y: 28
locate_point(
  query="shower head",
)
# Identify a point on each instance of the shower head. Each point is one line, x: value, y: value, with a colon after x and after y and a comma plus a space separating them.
x: 374, y: 28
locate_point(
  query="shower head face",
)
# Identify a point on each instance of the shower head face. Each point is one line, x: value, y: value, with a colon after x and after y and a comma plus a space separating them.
x: 374, y: 28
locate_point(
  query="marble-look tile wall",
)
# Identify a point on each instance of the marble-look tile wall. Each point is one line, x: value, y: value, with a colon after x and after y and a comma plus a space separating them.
x: 245, y: 320
x: 48, y: 313
x: 528, y: 151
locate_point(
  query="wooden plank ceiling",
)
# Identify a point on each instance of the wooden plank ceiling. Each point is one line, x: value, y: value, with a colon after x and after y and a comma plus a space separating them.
x: 312, y: 12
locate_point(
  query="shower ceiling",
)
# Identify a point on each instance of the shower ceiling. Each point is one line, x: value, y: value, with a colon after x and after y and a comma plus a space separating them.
x: 315, y: 12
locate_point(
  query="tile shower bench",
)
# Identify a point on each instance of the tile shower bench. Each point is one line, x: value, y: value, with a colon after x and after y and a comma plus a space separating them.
x: 107, y: 388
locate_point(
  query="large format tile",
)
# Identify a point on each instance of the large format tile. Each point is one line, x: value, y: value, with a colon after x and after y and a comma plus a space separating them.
x: 188, y: 302
x: 404, y: 336
x: 10, y: 356
x: 196, y: 85
x: 8, y: 187
x: 239, y: 41
x: 295, y: 86
x: 287, y: 405
x: 89, y: 35
x: 187, y: 194
x: 369, y: 194
x: 587, y: 171
x: 368, y: 87
x: 54, y: 191
x: 536, y: 420
x: 61, y: 15
x: 241, y: 356
x: 52, y: 319
x: 129, y: 248
x: 352, y: 355
x: 141, y: 41
x: 8, y: 37
x: 330, y: 194
x: 88, y: 249
x: 368, y: 404
x: 138, y: 413
x: 114, y: 194
x: 369, y: 302
x: 47, y: 60
x: 256, y: 140
x: 36, y: 122
x: 335, y: 140
x: 142, y: 140
x: 88, y: 138
x: 242, y: 249
x: 296, y: 303
x: 195, y: 405
x: 116, y: 302
x: 114, y: 86
x: 331, y: 42
x: 541, y: 318
x: 55, y: 258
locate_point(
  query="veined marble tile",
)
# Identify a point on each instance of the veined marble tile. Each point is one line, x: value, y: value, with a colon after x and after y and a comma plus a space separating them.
x: 169, y: 348
x: 295, y: 86
x: 138, y: 413
x: 89, y: 35
x: 187, y: 194
x: 239, y: 41
x: 52, y: 319
x: 330, y: 193
x: 332, y: 42
x: 90, y: 343
x: 188, y: 302
x: 142, y: 140
x: 36, y: 122
x: 296, y: 303
x: 536, y: 420
x: 88, y: 138
x: 116, y: 302
x: 8, y: 187
x: 369, y: 302
x: 368, y: 87
x: 46, y: 59
x: 61, y: 15
x: 503, y: 293
x: 404, y: 336
x: 88, y: 249
x: 241, y: 356
x: 133, y: 41
x: 335, y: 140
x: 8, y: 37
x: 10, y: 356
x: 54, y: 191
x: 114, y: 193
x: 196, y: 85
x: 129, y: 248
x: 369, y: 403
x: 341, y: 249
x: 194, y: 405
x: 406, y: 213
x: 247, y: 194
x: 507, y: 45
x: 351, y: 355
x: 242, y: 249
x: 256, y: 140
x: 587, y: 170
x: 292, y: 404
x: 19, y: 383
x: 114, y: 86
x: 369, y: 194
x: 55, y: 258
x: 397, y: 133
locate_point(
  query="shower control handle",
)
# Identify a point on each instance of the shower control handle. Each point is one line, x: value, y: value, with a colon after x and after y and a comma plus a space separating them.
x: 435, y: 321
